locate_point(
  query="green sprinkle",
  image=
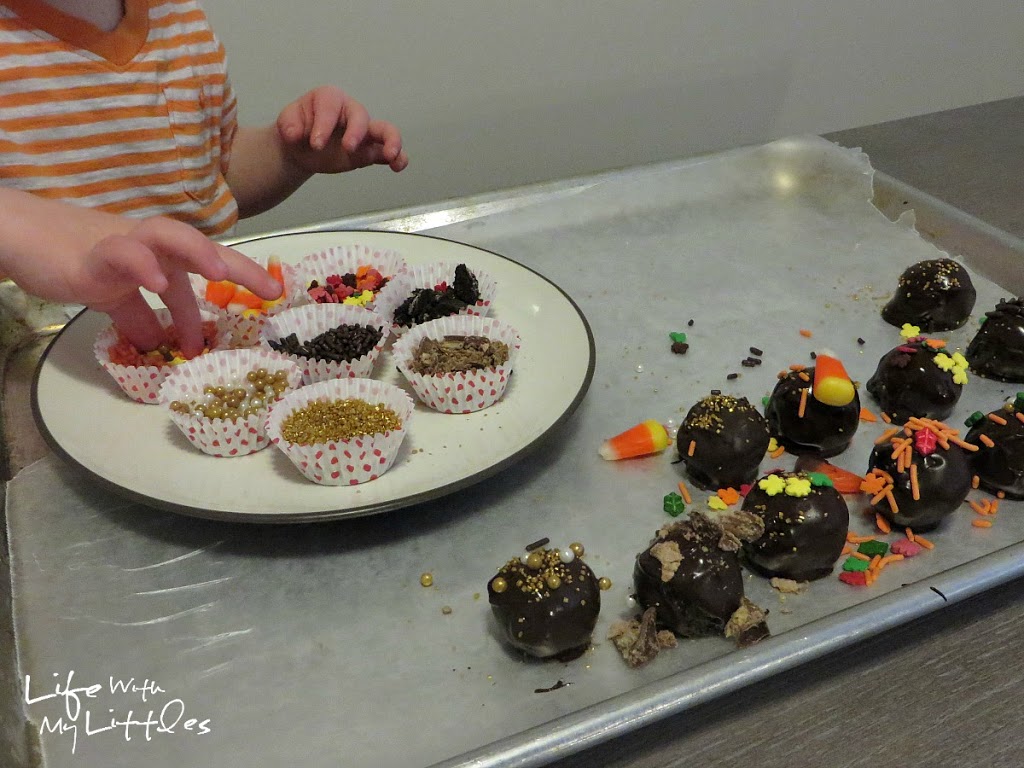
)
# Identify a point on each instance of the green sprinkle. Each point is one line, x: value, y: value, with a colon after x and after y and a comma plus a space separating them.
x: 855, y: 564
x: 873, y: 547
x: 973, y: 419
x: 1018, y: 404
x: 673, y: 504
x: 679, y: 338
x: 820, y: 480
x: 765, y: 400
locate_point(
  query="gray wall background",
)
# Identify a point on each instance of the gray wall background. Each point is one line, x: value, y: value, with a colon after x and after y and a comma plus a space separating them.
x: 491, y: 95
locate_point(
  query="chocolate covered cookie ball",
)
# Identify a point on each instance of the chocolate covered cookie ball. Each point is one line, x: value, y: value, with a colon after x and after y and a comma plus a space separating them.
x: 915, y: 481
x: 934, y: 295
x: 690, y: 574
x: 918, y: 378
x: 814, y: 410
x: 547, y: 601
x: 997, y: 349
x: 999, y: 460
x: 805, y: 525
x: 722, y: 441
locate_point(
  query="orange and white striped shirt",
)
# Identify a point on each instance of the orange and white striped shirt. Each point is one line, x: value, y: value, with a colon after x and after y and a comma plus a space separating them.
x: 138, y: 121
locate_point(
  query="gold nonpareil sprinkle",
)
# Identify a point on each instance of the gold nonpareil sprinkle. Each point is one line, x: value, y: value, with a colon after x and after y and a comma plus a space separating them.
x: 324, y: 422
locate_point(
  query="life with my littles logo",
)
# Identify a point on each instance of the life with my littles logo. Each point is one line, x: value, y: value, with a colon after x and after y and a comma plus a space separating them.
x: 127, y: 708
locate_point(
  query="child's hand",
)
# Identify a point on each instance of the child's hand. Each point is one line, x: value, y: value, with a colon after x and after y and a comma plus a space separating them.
x: 156, y: 255
x: 327, y: 131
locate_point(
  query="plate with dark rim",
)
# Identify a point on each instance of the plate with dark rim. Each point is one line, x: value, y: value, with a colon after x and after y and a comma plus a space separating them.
x: 135, y: 449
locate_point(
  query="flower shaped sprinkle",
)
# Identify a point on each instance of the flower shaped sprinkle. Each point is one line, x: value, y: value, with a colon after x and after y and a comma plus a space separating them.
x: 956, y: 365
x: 716, y: 503
x: 798, y: 486
x: 959, y: 368
x: 909, y: 331
x: 772, y: 484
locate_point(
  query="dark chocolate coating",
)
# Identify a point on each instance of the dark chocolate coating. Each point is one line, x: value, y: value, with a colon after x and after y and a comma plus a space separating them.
x: 545, y: 622
x: 803, y: 535
x: 934, y: 295
x: 1001, y: 467
x: 908, y: 383
x: 730, y: 438
x: 824, y: 430
x: 703, y: 593
x: 943, y: 478
x: 997, y: 349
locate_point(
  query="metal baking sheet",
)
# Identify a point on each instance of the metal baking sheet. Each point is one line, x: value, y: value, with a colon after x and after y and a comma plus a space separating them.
x: 316, y: 644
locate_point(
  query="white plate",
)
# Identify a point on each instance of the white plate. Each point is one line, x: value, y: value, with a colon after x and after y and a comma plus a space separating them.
x: 136, y: 449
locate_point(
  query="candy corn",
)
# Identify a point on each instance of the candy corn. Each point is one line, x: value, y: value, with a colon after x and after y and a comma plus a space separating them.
x: 832, y: 385
x: 219, y: 292
x: 645, y: 438
x: 234, y: 298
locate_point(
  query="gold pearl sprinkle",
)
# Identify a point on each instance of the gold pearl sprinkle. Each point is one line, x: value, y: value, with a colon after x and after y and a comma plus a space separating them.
x: 534, y: 560
x: 498, y: 584
x: 324, y: 422
x: 427, y: 579
x: 604, y: 583
x: 577, y: 549
x: 553, y: 581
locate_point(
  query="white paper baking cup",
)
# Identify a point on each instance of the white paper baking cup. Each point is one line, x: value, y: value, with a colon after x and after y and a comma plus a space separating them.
x: 244, y: 327
x: 462, y: 391
x: 311, y: 320
x: 345, y: 259
x: 142, y: 383
x: 221, y: 437
x: 431, y: 275
x: 346, y: 462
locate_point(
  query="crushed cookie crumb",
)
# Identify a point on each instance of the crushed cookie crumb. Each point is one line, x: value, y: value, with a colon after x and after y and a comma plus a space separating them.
x: 788, y: 586
x: 640, y: 641
x: 667, y: 553
x: 747, y: 624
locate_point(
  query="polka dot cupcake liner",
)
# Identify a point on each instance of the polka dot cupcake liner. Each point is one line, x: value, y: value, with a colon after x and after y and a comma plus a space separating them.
x: 244, y: 327
x: 462, y: 391
x: 222, y: 437
x: 346, y: 259
x: 310, y: 321
x: 432, y: 275
x: 344, y: 462
x: 142, y: 382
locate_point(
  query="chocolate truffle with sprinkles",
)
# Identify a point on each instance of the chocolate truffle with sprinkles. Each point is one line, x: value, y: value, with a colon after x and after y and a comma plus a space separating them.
x: 722, y: 441
x: 814, y: 410
x: 805, y: 525
x: 547, y: 601
x: 997, y: 349
x: 690, y: 574
x: 919, y: 474
x: 934, y: 295
x: 918, y: 378
x: 999, y: 460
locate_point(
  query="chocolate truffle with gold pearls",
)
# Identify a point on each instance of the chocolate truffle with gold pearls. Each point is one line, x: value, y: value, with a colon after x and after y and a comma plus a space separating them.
x: 547, y: 601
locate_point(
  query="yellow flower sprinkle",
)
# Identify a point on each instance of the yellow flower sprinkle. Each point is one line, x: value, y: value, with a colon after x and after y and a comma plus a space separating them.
x: 772, y: 485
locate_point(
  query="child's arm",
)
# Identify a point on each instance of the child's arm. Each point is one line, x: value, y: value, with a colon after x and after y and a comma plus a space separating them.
x: 66, y: 253
x: 324, y: 131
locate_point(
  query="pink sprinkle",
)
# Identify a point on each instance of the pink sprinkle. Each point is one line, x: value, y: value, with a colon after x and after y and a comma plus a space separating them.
x: 908, y: 350
x: 744, y: 489
x: 905, y: 547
